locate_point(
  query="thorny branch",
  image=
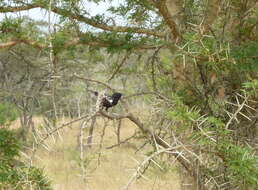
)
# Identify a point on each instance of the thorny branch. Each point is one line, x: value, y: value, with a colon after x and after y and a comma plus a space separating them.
x: 238, y: 111
x: 146, y: 131
x: 149, y: 135
x: 138, y: 171
x: 60, y: 127
x: 82, y: 18
x: 69, y: 43
x: 152, y: 59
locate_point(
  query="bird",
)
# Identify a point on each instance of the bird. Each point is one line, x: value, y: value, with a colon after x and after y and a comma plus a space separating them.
x: 108, y: 101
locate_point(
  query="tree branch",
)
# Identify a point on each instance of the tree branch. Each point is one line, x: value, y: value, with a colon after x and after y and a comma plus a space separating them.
x: 119, y: 66
x: 86, y: 20
x: 8, y: 9
x: 162, y: 7
x: 8, y: 44
x: 122, y: 142
x: 146, y: 131
x: 73, y: 42
x: 16, y: 42
x: 77, y: 41
x: 211, y: 14
x: 96, y: 81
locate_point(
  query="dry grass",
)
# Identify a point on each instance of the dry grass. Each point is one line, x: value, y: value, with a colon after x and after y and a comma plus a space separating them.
x: 61, y: 163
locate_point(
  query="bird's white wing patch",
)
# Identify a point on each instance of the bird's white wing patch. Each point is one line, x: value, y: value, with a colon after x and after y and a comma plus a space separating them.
x: 109, y: 99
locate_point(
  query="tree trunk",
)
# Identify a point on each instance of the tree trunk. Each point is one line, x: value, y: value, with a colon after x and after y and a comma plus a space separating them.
x: 90, y: 136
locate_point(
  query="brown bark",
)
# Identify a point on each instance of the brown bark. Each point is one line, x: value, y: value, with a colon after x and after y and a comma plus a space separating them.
x: 167, y: 16
x: 211, y: 14
x: 16, y: 42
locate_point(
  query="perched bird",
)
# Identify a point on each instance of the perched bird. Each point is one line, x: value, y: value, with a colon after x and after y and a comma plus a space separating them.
x: 110, y: 101
x: 107, y: 101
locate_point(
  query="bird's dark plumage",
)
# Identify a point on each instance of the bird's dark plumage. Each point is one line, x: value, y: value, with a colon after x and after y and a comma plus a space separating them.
x: 109, y: 101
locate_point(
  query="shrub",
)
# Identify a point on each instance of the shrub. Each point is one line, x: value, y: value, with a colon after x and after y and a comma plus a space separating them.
x: 13, y: 173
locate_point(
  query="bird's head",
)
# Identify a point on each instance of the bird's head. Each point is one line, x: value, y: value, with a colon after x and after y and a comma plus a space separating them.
x: 117, y: 95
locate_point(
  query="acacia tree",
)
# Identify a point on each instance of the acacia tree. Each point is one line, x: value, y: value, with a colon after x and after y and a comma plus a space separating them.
x: 201, y: 67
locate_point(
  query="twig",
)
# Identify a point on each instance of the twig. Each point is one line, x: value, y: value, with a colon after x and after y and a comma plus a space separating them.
x: 234, y: 116
x: 119, y: 66
x: 101, y: 140
x: 93, y: 80
x: 138, y: 171
x: 62, y: 126
x: 146, y: 131
x: 153, y: 58
x: 82, y: 149
x: 89, y: 140
x: 141, y: 147
x: 121, y: 142
x: 119, y: 125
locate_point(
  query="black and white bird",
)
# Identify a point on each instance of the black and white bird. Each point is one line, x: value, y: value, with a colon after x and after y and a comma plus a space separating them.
x: 108, y: 101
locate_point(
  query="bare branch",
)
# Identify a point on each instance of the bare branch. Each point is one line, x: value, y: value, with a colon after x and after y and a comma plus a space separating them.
x: 234, y: 116
x: 122, y: 142
x: 138, y: 172
x: 95, y: 81
x: 119, y: 66
x: 62, y: 126
x: 147, y: 131
x: 101, y: 139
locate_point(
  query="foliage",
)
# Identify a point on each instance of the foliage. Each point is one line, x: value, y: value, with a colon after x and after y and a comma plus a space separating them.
x: 15, y: 174
x: 246, y: 57
x: 11, y: 26
x: 7, y: 113
x: 251, y: 87
x: 241, y: 165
